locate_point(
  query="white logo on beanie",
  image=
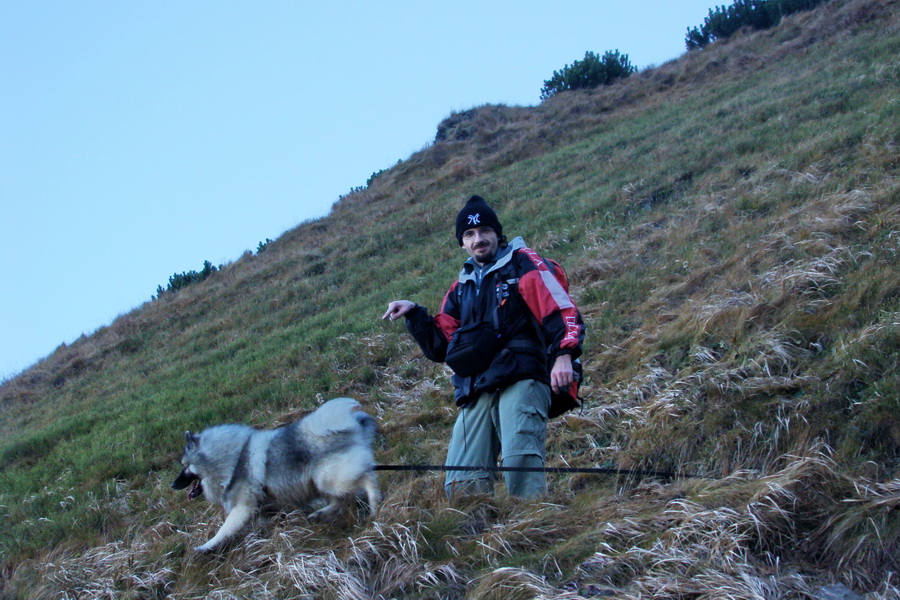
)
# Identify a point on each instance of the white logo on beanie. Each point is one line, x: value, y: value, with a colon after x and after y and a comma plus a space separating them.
x: 475, y: 219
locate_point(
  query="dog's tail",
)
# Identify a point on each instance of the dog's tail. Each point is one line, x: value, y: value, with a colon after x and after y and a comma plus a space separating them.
x: 340, y: 415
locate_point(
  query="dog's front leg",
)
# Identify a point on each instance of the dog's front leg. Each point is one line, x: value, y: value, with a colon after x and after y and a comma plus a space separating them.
x: 236, y: 519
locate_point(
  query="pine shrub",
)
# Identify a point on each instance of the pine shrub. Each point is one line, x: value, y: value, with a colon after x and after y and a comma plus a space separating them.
x: 186, y: 278
x: 757, y: 14
x: 591, y: 72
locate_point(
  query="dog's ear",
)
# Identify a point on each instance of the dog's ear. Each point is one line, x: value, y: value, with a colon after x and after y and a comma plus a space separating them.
x: 191, y: 439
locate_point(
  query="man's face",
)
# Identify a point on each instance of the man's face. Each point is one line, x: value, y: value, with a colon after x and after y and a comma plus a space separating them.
x: 481, y: 243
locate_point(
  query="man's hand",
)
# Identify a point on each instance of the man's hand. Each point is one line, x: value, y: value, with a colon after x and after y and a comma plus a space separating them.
x: 562, y: 375
x: 397, y: 309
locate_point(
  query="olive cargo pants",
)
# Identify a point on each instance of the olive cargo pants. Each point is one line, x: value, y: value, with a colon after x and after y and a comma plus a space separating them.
x: 512, y: 423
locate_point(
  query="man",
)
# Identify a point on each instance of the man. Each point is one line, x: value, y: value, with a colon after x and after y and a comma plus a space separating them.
x: 510, y: 332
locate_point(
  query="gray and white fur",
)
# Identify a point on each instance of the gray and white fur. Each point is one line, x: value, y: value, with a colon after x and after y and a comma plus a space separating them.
x: 327, y: 453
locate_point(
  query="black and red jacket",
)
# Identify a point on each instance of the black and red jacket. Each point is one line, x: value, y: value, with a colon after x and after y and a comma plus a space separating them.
x: 537, y: 316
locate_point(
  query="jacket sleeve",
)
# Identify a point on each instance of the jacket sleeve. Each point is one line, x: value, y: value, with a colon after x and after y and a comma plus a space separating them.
x: 551, y: 306
x: 434, y: 333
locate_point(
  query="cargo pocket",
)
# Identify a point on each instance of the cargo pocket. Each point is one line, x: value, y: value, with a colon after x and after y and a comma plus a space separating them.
x: 531, y: 421
x: 530, y: 428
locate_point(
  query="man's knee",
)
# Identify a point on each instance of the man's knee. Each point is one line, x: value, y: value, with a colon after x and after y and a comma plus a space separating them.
x: 526, y: 484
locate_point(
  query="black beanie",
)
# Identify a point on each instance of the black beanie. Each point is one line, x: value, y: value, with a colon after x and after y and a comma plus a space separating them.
x: 476, y: 213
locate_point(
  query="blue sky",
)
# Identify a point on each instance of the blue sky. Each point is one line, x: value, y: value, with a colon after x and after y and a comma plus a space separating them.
x: 138, y: 139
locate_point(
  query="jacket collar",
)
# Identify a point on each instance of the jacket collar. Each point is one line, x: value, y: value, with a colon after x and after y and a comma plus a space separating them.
x: 504, y: 255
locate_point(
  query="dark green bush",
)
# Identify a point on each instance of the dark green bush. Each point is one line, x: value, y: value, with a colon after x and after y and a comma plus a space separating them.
x: 591, y: 72
x: 186, y: 278
x: 758, y: 14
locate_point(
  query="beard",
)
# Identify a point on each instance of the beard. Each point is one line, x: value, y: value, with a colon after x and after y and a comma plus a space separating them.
x: 484, y: 253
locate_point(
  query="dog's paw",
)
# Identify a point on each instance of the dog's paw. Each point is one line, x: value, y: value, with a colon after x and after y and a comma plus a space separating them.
x: 204, y: 549
x: 323, y: 515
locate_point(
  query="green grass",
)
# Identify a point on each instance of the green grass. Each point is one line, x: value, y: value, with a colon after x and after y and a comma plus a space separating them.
x: 729, y: 225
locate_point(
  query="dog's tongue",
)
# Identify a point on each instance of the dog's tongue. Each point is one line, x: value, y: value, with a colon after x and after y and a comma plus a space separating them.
x: 196, y: 489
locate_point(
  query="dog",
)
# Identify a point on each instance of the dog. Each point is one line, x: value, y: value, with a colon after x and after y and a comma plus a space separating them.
x: 327, y: 453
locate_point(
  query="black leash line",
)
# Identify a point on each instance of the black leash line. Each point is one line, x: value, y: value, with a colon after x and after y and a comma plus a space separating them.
x: 594, y: 470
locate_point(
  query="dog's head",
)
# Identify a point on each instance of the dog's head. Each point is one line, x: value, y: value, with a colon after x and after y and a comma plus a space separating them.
x: 189, y: 475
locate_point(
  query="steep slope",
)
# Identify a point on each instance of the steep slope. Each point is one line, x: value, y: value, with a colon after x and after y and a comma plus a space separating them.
x: 730, y: 225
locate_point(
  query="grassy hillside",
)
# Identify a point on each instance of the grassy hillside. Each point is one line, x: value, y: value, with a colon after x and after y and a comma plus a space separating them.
x: 731, y: 227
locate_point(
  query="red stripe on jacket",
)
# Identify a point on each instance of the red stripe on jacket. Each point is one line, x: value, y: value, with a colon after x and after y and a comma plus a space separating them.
x: 545, y: 296
x: 446, y: 324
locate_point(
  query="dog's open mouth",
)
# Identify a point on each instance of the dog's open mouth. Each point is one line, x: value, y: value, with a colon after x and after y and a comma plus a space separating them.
x: 196, y: 489
x: 186, y: 478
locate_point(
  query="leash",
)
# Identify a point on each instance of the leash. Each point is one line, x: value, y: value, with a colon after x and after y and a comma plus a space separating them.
x: 591, y: 470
